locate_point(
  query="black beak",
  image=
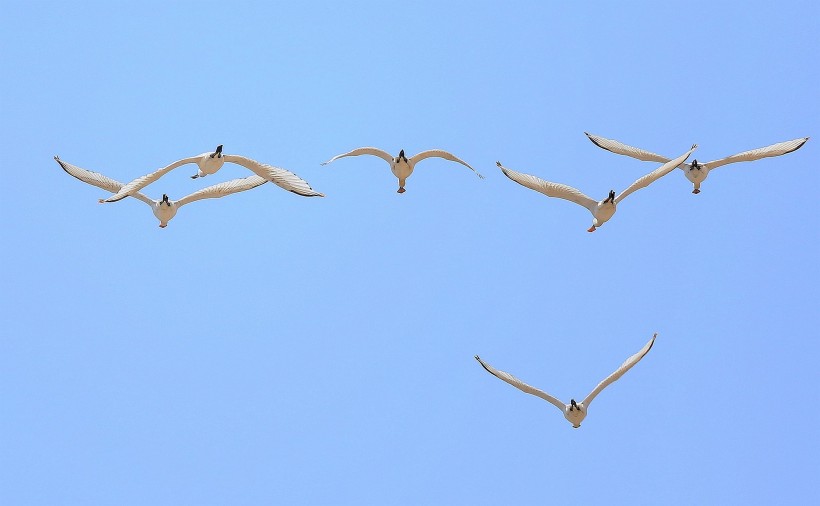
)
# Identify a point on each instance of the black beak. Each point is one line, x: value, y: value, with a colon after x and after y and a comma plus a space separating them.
x: 218, y: 152
x: 165, y: 199
x: 611, y: 197
x: 401, y: 155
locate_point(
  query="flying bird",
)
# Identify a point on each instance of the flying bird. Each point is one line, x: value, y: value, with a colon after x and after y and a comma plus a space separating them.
x: 601, y: 210
x: 163, y: 209
x: 210, y: 163
x: 697, y: 172
x: 574, y: 412
x: 401, y: 166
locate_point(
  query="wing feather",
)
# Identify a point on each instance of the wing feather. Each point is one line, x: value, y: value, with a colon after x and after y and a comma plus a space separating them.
x: 623, y: 149
x: 98, y: 180
x: 517, y: 383
x: 656, y: 174
x: 778, y: 149
x: 223, y: 189
x: 630, y: 362
x: 278, y: 176
x: 384, y: 155
x: 143, y: 181
x: 549, y: 189
x: 439, y: 153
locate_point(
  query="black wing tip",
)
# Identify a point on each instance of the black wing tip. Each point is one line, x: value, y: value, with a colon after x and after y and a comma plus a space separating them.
x: 589, y: 136
x: 805, y: 140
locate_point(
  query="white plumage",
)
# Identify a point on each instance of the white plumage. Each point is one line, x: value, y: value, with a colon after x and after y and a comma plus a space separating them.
x: 210, y: 163
x: 601, y: 210
x: 401, y: 166
x: 697, y: 172
x: 163, y: 209
x: 574, y: 412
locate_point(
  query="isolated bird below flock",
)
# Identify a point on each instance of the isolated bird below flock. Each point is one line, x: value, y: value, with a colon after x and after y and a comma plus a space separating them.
x: 165, y: 208
x: 697, y: 172
x: 602, y: 210
x: 401, y: 166
x: 210, y: 163
x: 574, y: 412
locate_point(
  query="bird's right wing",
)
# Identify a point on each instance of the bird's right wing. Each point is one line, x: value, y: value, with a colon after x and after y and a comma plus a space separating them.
x: 517, y: 383
x: 276, y: 175
x: 656, y: 174
x: 622, y: 149
x: 781, y: 148
x: 384, y: 155
x: 223, y: 189
x: 549, y: 189
x: 143, y: 181
x: 440, y: 153
x: 627, y: 365
x: 98, y: 180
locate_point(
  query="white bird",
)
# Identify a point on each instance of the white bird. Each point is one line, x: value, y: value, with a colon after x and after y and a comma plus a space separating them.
x: 603, y: 210
x: 401, y: 166
x: 574, y: 412
x: 210, y: 163
x: 163, y: 209
x: 697, y: 172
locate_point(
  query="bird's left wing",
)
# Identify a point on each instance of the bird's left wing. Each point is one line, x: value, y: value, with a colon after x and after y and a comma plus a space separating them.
x: 623, y: 149
x: 384, y: 155
x: 223, y: 189
x: 143, y: 181
x: 778, y: 149
x: 439, y: 153
x: 98, y: 180
x: 278, y: 176
x: 517, y: 383
x: 550, y: 189
x: 630, y: 362
x: 655, y: 174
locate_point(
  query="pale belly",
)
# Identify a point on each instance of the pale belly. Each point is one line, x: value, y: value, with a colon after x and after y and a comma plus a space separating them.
x: 401, y: 170
x: 210, y: 165
x: 696, y: 175
x: 165, y: 213
x: 604, y: 213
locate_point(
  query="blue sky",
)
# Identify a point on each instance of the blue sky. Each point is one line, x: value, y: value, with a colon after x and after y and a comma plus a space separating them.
x: 267, y: 348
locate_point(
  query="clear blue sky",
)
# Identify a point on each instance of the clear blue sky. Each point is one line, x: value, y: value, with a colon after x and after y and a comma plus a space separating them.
x: 272, y: 349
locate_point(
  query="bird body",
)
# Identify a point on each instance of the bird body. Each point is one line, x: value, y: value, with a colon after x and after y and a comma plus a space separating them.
x: 602, y: 210
x: 698, y: 172
x: 574, y: 412
x: 401, y: 166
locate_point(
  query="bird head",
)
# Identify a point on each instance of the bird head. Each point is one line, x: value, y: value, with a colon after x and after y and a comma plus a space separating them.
x: 165, y: 200
x: 695, y: 165
x: 611, y: 197
x: 401, y: 156
x: 218, y: 152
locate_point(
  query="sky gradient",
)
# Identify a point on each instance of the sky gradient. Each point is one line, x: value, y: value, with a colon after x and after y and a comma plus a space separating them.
x: 269, y: 348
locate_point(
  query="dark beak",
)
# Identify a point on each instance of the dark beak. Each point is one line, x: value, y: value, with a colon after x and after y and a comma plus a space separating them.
x: 218, y: 152
x: 401, y: 155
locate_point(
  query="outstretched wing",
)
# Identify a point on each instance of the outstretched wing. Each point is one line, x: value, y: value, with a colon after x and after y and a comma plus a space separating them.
x: 440, y: 154
x: 517, y: 383
x: 778, y: 149
x: 549, y: 189
x: 655, y: 174
x: 143, y: 181
x: 98, y: 180
x: 223, y: 189
x: 278, y: 176
x: 384, y: 155
x: 623, y: 149
x: 630, y: 362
